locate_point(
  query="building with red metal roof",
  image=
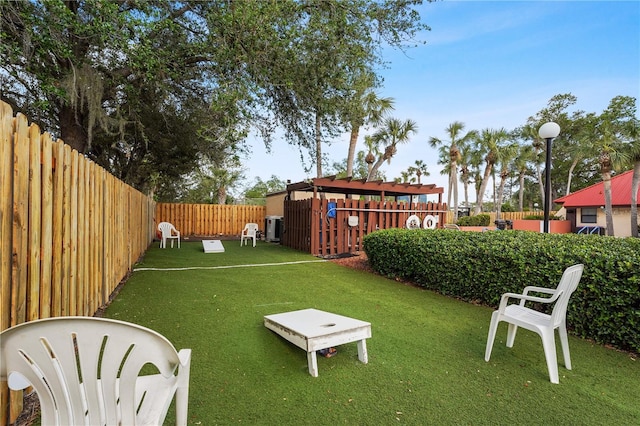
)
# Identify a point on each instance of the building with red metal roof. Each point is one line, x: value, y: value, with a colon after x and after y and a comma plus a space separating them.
x: 585, y: 207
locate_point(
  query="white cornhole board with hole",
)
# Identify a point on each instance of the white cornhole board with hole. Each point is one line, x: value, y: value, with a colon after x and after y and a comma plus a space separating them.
x: 212, y: 246
x: 312, y: 330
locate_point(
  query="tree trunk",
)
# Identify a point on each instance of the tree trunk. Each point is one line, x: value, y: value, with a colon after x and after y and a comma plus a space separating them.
x: 222, y: 195
x: 353, y: 141
x: 503, y: 181
x: 540, y: 183
x: 465, y: 184
x: 375, y: 168
x: 521, y: 192
x: 635, y: 185
x: 466, y: 194
x: 453, y: 181
x: 483, y: 188
x: 606, y: 178
x: 71, y: 129
x: 318, y: 148
x: 573, y: 166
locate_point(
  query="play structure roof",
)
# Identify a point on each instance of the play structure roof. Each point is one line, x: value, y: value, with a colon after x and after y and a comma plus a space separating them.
x: 334, y: 185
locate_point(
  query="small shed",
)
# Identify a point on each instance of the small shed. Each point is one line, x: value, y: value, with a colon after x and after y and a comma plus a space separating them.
x: 341, y: 211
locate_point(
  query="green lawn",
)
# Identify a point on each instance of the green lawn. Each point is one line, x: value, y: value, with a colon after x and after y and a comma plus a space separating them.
x: 426, y: 353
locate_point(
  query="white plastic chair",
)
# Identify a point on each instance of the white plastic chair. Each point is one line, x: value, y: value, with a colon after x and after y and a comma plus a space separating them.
x: 249, y: 232
x: 517, y: 315
x: 169, y: 232
x: 86, y: 371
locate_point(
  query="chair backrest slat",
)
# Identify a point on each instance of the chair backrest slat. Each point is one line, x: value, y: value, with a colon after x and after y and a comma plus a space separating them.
x: 251, y: 227
x: 166, y: 228
x: 85, y: 369
x: 566, y: 287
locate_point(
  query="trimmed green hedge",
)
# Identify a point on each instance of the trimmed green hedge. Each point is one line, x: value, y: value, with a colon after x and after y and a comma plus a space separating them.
x: 477, y: 220
x: 480, y: 266
x: 541, y: 217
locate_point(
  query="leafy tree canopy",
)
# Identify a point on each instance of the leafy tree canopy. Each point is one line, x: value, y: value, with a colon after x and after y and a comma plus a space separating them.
x: 150, y: 89
x: 257, y: 193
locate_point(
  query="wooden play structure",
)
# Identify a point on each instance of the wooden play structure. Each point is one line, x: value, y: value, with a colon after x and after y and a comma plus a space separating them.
x: 340, y: 212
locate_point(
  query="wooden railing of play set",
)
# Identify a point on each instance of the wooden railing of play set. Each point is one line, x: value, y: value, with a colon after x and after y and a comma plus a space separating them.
x: 69, y: 231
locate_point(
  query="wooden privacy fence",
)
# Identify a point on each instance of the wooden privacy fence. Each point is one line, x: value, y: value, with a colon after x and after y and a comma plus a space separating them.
x: 209, y: 219
x: 69, y: 231
x: 332, y: 227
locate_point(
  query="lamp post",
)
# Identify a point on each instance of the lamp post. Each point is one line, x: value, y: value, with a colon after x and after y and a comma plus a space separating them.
x: 548, y: 131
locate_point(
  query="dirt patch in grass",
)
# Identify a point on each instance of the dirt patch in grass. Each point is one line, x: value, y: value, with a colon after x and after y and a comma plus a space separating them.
x: 358, y: 261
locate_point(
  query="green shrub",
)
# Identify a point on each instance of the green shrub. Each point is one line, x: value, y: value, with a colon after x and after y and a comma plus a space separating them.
x: 541, y: 217
x: 477, y: 220
x: 480, y: 266
x: 508, y: 207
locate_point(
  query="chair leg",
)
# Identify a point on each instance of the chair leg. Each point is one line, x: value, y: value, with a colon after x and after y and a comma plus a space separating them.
x: 549, y: 346
x: 564, y: 342
x: 493, y: 327
x: 182, y: 403
x: 511, y: 335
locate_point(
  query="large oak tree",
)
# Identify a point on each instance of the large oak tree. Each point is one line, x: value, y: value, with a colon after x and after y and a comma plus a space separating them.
x: 137, y: 84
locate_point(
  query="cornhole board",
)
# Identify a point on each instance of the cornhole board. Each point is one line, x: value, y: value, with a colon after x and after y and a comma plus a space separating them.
x: 312, y: 330
x: 212, y: 246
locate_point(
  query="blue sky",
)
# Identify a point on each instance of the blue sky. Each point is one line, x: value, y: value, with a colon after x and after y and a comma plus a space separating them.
x: 491, y: 64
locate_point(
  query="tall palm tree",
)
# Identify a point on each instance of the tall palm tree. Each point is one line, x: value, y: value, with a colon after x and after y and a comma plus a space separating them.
x: 405, y: 177
x: 389, y: 136
x: 521, y: 163
x: 489, y: 142
x: 608, y: 147
x: 368, y: 108
x: 469, y: 165
x: 454, y: 131
x: 530, y: 132
x: 614, y: 131
x: 419, y: 169
x: 605, y: 160
x: 505, y: 160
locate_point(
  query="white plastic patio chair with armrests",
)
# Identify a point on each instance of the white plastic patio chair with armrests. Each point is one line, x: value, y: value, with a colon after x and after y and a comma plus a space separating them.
x: 249, y: 232
x: 169, y: 232
x: 87, y: 371
x: 517, y: 315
